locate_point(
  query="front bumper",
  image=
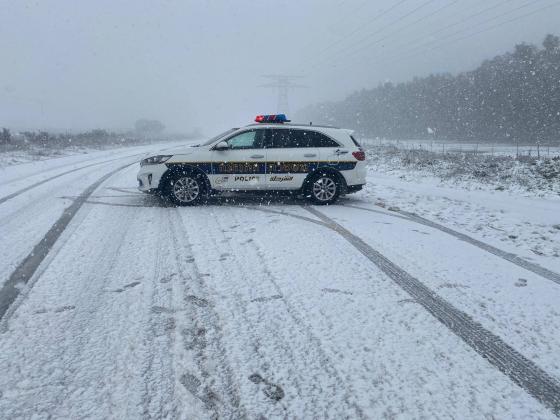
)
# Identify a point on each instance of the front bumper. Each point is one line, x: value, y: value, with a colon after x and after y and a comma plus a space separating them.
x: 149, y: 177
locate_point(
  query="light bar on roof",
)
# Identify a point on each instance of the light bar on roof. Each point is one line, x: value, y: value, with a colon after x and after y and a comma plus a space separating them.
x: 272, y: 118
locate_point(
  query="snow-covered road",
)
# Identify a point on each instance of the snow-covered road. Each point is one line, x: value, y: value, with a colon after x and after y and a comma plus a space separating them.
x: 115, y: 305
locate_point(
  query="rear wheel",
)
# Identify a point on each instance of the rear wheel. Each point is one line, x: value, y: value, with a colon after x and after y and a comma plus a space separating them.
x: 186, y: 189
x: 323, y: 188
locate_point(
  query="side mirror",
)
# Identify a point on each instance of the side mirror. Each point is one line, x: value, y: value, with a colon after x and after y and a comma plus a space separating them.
x: 221, y: 146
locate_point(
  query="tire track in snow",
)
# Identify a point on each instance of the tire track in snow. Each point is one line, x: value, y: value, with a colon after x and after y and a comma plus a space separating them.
x: 44, y: 181
x: 26, y: 268
x: 85, y: 335
x: 316, y: 360
x: 520, y: 262
x: 21, y: 178
x: 505, y: 358
x: 325, y: 360
x: 217, y: 388
x: 253, y: 346
x: 85, y: 322
x: 157, y: 370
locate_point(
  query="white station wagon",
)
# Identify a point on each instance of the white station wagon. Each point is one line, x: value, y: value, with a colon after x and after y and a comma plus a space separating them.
x: 320, y: 162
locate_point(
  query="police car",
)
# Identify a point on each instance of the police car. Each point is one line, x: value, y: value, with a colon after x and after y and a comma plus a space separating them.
x: 321, y: 162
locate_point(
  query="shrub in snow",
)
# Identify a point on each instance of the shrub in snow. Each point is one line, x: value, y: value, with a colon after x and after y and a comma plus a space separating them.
x: 528, y: 172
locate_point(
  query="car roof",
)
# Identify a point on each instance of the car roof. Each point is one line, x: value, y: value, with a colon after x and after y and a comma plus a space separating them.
x: 277, y: 125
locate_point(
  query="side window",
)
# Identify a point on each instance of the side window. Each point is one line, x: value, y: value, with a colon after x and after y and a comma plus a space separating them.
x: 320, y: 140
x: 247, y: 140
x: 287, y: 138
x: 279, y: 139
x: 299, y: 138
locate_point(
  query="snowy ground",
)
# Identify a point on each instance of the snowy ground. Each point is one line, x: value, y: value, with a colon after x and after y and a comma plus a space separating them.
x: 31, y: 153
x: 500, y: 199
x: 242, y: 310
x: 16, y: 157
x: 544, y: 150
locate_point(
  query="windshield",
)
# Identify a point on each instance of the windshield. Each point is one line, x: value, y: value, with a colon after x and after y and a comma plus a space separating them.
x: 218, y: 137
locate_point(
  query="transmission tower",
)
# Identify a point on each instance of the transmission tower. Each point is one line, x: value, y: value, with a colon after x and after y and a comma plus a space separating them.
x: 283, y: 83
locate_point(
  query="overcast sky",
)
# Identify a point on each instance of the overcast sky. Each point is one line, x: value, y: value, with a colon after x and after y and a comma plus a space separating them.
x: 68, y: 64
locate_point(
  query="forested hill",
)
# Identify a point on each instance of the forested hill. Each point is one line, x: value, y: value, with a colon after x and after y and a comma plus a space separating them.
x: 512, y: 97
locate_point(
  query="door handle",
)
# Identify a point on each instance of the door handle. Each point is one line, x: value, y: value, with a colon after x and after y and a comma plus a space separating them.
x: 340, y: 152
x: 257, y: 156
x: 310, y: 155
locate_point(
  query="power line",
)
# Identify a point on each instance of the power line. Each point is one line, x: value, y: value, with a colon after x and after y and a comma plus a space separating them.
x: 423, y: 18
x: 480, y: 23
x: 312, y: 44
x: 422, y: 48
x: 510, y: 21
x: 356, y: 30
x: 459, y: 22
x: 399, y: 19
x: 449, y: 38
x: 453, y: 24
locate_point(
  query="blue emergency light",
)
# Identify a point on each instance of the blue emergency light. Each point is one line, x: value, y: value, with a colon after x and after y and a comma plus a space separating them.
x: 274, y: 118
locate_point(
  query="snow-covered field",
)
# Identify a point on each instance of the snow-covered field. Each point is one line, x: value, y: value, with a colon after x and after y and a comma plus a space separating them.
x: 31, y: 153
x: 544, y: 150
x: 250, y: 309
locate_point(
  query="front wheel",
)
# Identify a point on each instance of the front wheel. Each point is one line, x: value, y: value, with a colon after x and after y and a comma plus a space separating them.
x: 186, y: 189
x: 323, y: 189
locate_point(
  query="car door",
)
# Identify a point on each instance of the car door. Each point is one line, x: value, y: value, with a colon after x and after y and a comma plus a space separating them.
x: 290, y: 157
x: 241, y: 166
x: 330, y: 152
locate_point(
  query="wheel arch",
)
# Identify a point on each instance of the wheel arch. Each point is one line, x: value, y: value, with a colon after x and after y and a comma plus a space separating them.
x: 325, y: 170
x: 184, y: 169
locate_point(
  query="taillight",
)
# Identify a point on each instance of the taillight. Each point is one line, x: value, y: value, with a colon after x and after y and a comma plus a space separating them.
x: 360, y: 155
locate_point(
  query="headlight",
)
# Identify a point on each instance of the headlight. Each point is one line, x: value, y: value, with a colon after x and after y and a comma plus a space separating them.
x: 154, y: 160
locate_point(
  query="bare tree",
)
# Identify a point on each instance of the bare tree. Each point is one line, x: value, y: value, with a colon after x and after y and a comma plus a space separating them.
x: 5, y: 136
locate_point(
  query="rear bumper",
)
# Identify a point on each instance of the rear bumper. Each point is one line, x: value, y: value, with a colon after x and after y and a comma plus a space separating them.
x: 357, y: 176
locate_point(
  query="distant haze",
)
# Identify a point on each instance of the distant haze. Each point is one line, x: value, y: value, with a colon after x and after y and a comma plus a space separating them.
x: 74, y: 65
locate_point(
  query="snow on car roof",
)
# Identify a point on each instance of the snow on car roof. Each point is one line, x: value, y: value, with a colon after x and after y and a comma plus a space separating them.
x: 275, y: 125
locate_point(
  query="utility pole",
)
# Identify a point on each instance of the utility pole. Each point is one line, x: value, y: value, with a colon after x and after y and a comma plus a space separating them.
x: 283, y: 83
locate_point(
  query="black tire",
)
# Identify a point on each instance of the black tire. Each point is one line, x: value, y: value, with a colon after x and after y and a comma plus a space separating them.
x: 323, y: 188
x: 186, y: 189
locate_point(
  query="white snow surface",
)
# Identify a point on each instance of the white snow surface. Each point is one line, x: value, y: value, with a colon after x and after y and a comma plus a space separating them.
x: 249, y: 309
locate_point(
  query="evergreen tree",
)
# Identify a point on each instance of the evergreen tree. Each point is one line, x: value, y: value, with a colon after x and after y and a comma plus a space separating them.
x: 512, y: 97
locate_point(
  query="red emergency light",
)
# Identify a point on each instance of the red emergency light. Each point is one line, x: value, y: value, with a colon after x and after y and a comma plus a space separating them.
x: 273, y: 118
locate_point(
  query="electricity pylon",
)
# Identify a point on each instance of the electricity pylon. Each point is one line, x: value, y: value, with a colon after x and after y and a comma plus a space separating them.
x: 284, y: 83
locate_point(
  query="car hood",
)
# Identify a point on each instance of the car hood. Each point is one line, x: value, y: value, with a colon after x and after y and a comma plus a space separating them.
x: 187, y: 150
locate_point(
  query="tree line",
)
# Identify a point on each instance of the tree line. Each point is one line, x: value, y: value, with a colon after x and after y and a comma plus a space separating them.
x: 514, y: 97
x: 45, y: 139
x: 144, y: 130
